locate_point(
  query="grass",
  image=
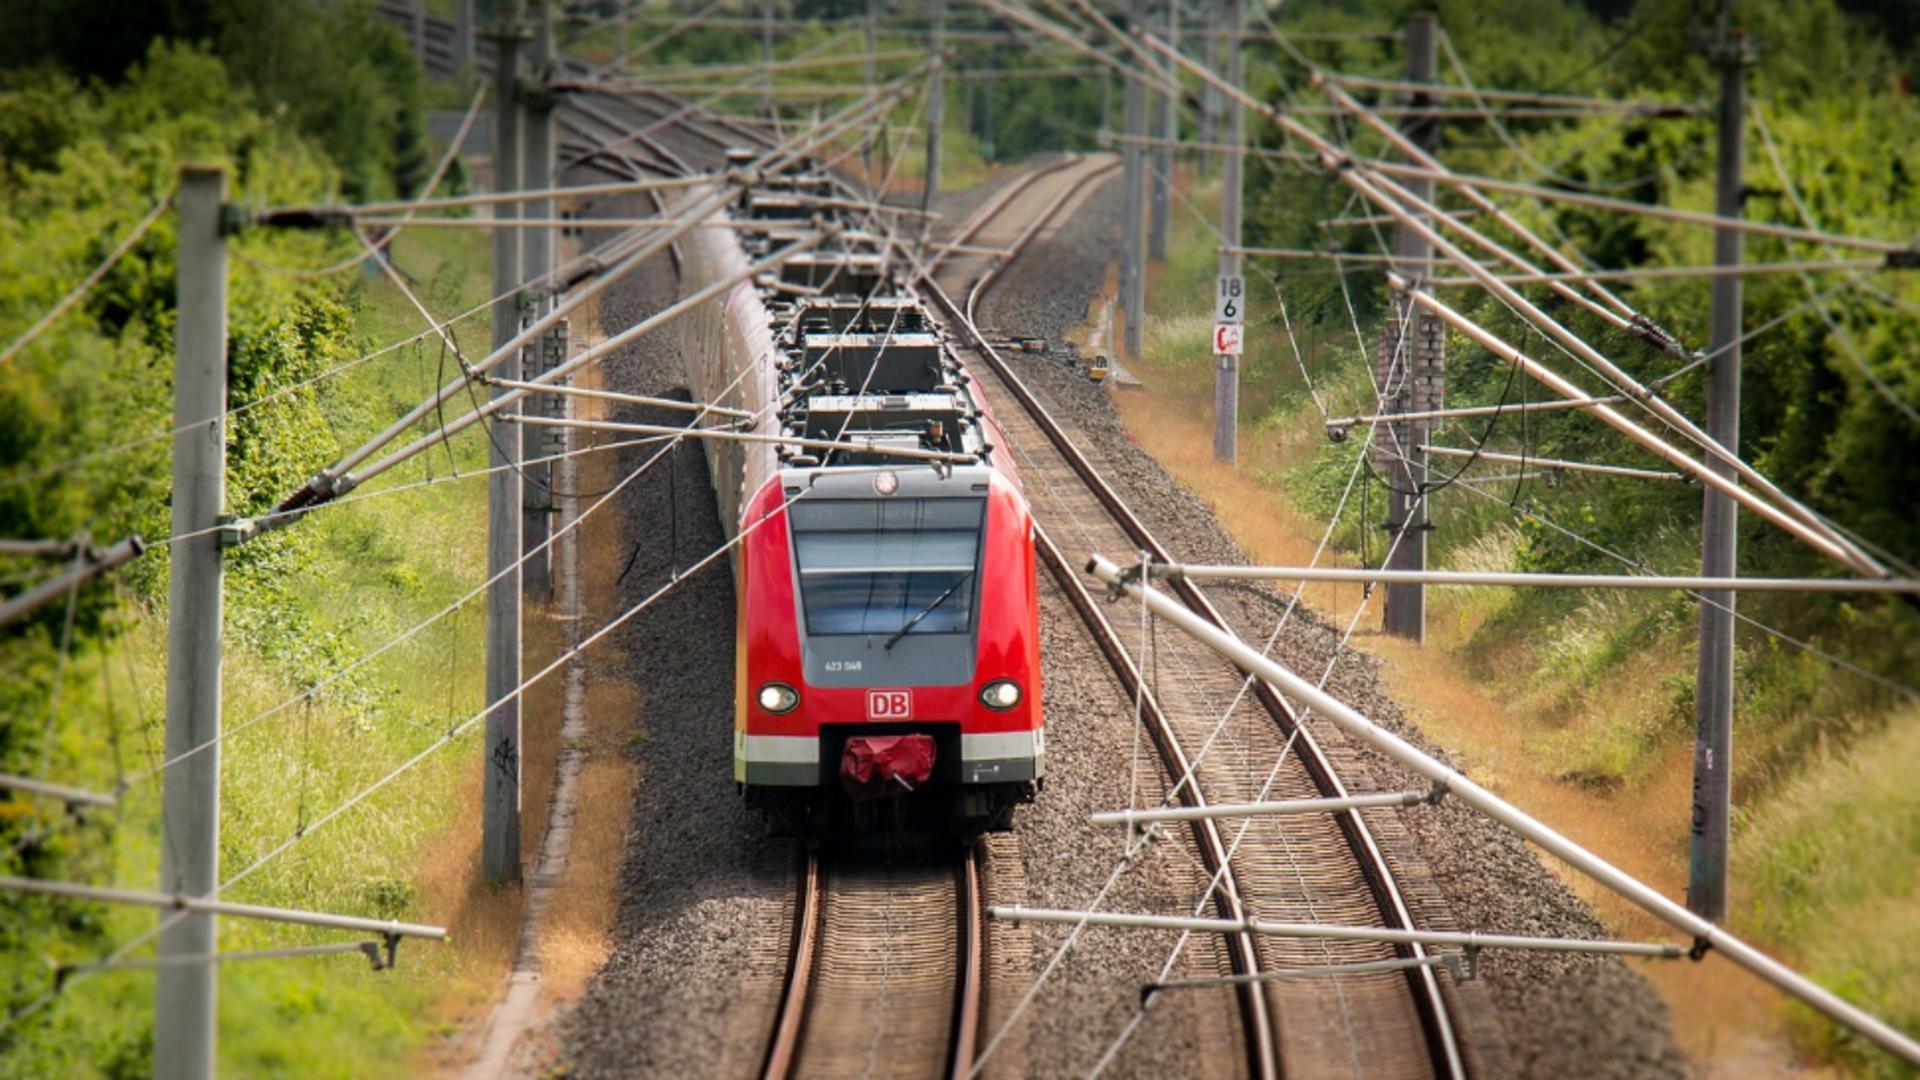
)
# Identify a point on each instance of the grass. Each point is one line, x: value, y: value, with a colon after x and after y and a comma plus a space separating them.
x: 1578, y: 706
x: 408, y: 852
x: 1828, y: 870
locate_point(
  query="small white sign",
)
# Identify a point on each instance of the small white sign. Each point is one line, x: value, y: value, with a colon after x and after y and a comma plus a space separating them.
x: 1227, y: 339
x: 1230, y: 300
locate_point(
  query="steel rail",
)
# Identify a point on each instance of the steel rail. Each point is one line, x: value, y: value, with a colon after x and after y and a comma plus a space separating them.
x: 1242, y: 953
x: 1243, y: 956
x: 979, y: 219
x: 970, y: 974
x: 1428, y: 997
x: 1040, y: 221
x: 797, y: 992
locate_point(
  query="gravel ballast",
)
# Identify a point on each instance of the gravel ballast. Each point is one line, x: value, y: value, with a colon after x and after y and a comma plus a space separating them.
x: 1557, y: 1014
x: 700, y: 942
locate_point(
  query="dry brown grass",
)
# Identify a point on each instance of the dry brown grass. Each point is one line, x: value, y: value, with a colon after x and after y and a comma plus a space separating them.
x: 485, y: 921
x: 582, y: 909
x: 1177, y: 431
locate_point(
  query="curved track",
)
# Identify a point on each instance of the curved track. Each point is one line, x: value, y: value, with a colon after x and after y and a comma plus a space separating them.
x: 1310, y: 869
x: 884, y: 976
x: 906, y: 1000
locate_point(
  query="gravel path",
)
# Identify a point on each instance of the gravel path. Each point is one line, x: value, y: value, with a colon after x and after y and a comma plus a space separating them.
x: 1554, y: 1014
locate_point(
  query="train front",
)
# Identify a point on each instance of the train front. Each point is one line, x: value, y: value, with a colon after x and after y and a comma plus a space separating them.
x: 890, y: 660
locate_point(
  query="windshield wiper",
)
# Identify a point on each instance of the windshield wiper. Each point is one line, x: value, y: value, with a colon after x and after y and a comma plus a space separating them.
x: 928, y: 610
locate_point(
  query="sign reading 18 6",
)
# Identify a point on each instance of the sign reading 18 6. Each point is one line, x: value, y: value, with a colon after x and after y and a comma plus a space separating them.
x: 1229, y: 301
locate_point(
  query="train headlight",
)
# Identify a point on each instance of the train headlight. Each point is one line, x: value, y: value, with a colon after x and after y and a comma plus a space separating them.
x: 886, y: 483
x: 779, y: 698
x: 1000, y: 694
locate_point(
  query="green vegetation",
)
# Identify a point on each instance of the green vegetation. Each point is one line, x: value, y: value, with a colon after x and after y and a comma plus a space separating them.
x: 1825, y: 847
x: 87, y: 154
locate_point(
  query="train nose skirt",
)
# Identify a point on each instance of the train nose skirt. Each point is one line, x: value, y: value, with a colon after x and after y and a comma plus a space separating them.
x: 877, y: 765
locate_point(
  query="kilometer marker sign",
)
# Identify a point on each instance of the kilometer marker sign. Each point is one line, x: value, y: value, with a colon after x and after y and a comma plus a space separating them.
x: 1229, y: 311
x: 1229, y: 300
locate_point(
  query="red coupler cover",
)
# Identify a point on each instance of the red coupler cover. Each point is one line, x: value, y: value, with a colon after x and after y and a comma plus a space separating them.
x: 882, y: 758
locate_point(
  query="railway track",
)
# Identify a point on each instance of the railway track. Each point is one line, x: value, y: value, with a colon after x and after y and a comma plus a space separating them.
x: 586, y: 115
x: 1311, y: 868
x: 884, y: 973
x: 906, y: 1000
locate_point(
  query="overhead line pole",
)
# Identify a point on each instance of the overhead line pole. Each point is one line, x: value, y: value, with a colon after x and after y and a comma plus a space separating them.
x: 1226, y: 367
x: 936, y: 107
x: 871, y: 28
x: 1420, y: 336
x: 537, y: 500
x: 500, y: 816
x: 766, y: 57
x: 462, y: 48
x: 186, y: 1013
x: 1161, y: 203
x: 1720, y: 515
x: 1132, y: 274
x: 1209, y: 97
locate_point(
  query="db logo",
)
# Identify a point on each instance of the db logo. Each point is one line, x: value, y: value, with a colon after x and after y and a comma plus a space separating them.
x: 889, y: 704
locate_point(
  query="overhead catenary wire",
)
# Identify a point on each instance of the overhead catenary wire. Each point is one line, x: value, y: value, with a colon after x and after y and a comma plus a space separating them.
x: 1789, y: 513
x: 1849, y: 348
x: 28, y: 476
x: 1129, y: 852
x: 493, y: 406
x: 1820, y: 540
x: 454, y: 732
x: 333, y: 481
x: 575, y: 522
x: 1540, y: 169
x: 1554, y: 464
x: 209, y: 906
x: 1627, y: 206
x: 87, y: 283
x: 1467, y: 89
x: 1462, y: 788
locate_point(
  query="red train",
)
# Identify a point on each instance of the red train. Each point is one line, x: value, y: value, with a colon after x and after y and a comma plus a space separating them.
x: 887, y: 662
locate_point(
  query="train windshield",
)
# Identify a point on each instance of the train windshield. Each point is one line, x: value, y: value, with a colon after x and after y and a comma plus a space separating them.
x: 869, y: 566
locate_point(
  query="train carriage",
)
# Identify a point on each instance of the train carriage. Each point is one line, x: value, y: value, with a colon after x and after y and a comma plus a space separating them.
x: 887, y: 667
